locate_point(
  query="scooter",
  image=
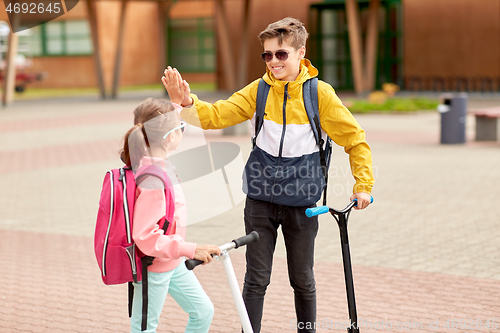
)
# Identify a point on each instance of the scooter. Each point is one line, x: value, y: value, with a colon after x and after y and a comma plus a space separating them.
x: 231, y: 276
x: 342, y: 217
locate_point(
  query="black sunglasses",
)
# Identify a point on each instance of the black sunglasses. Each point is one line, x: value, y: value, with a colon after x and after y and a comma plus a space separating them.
x: 281, y: 55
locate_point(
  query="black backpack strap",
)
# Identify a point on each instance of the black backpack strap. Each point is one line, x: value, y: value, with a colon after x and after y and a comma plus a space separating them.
x: 310, y: 96
x: 166, y: 224
x: 146, y: 262
x: 130, y: 298
x: 260, y: 109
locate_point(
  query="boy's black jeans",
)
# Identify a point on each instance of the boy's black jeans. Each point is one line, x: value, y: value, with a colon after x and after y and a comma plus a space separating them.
x: 299, y: 232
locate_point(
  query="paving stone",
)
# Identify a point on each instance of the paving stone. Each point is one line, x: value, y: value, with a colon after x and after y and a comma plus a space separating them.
x: 425, y: 252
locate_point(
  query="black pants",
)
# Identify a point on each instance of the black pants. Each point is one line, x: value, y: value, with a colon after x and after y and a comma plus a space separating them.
x: 299, y: 232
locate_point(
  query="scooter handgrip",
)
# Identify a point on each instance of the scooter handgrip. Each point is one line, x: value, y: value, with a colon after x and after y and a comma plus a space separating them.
x: 371, y: 201
x: 251, y: 237
x: 192, y: 263
x: 310, y: 212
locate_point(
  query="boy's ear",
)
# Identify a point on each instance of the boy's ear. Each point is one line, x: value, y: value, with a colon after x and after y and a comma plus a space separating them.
x: 302, y: 52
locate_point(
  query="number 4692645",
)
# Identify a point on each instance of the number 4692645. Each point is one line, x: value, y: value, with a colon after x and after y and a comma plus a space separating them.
x: 33, y: 8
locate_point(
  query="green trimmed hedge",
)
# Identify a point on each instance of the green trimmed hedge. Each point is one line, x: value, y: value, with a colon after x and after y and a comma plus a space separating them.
x: 394, y: 105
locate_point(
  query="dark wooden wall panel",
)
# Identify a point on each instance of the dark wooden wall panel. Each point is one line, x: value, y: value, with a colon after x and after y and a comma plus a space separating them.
x: 452, y: 37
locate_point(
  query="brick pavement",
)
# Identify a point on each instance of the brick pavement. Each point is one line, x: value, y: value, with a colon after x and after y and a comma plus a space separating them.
x: 51, y: 284
x: 427, y: 250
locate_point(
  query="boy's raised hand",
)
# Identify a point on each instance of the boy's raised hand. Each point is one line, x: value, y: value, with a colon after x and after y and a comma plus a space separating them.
x: 177, y: 88
x: 172, y: 84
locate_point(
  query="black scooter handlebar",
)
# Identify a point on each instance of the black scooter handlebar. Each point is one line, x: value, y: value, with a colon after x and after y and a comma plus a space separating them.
x: 251, y: 237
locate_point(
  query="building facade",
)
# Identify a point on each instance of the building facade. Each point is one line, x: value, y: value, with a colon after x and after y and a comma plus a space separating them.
x: 422, y: 44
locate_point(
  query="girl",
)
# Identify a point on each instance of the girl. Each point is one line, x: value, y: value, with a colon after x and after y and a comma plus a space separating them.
x: 157, y: 131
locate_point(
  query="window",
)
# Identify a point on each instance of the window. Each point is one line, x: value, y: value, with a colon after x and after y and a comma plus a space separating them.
x: 191, y: 44
x: 60, y: 38
x: 329, y: 42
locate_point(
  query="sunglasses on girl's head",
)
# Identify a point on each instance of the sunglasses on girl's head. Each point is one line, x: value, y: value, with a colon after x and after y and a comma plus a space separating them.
x: 281, y: 55
x: 182, y: 127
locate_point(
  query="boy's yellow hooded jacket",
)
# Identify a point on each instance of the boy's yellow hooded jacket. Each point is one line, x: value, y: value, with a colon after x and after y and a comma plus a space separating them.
x: 286, y: 145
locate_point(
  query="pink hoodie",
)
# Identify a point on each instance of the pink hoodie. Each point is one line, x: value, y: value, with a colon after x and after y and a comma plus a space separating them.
x: 150, y: 208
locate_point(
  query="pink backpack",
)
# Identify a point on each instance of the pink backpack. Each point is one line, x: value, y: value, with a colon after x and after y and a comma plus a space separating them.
x: 117, y: 256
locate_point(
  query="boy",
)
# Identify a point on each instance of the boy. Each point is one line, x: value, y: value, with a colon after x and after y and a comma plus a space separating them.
x: 284, y: 159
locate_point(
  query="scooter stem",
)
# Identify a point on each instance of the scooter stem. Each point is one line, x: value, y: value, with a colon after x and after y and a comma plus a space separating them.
x: 349, y: 284
x: 235, y: 291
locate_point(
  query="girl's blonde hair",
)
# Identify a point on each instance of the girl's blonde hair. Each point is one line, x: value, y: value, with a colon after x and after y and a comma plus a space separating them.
x: 141, y: 137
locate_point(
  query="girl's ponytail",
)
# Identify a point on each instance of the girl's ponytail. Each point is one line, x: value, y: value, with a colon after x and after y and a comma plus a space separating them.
x: 134, y: 145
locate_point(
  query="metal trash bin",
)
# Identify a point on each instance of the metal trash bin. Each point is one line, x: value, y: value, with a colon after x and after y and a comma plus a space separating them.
x: 453, y: 109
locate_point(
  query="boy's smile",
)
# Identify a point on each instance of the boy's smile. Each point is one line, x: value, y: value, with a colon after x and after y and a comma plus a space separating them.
x: 284, y: 70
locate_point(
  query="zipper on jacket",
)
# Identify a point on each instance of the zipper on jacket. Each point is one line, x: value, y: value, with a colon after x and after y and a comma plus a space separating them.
x: 285, y: 97
x: 111, y: 210
x: 126, y: 213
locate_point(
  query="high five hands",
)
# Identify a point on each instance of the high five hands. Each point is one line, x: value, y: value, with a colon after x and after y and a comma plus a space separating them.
x: 177, y: 88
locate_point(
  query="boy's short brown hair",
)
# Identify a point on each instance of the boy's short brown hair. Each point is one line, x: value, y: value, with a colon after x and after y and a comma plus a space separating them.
x: 289, y: 29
